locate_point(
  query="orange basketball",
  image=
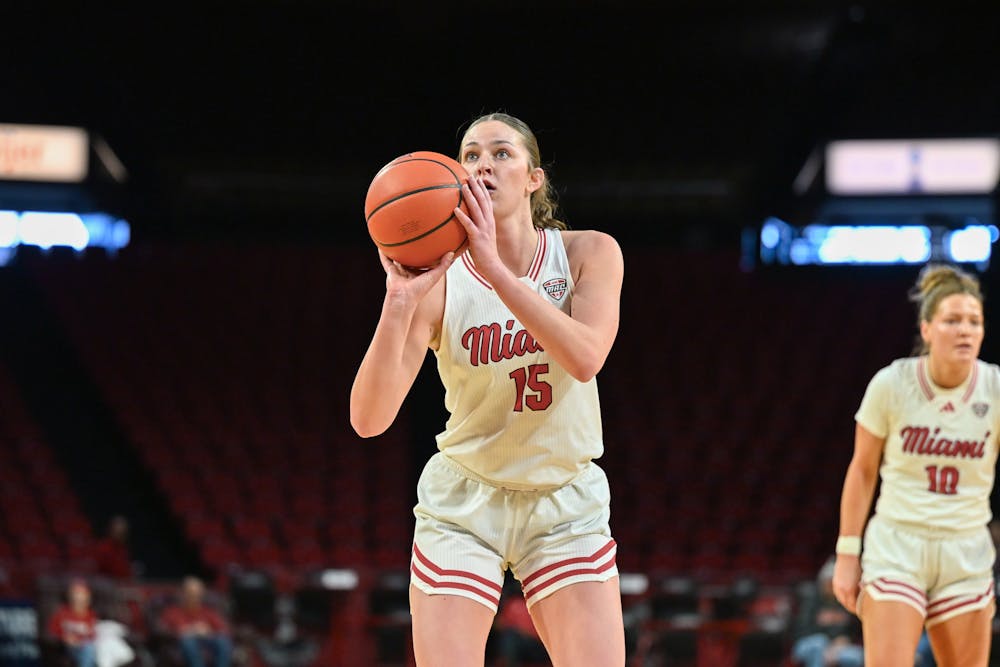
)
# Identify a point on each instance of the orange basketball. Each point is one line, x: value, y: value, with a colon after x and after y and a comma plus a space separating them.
x: 410, y: 208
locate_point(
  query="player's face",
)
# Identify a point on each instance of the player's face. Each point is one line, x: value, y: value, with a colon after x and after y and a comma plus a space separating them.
x: 495, y: 152
x: 955, y: 333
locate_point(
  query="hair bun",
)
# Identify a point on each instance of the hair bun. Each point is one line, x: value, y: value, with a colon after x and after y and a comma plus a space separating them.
x: 933, y: 277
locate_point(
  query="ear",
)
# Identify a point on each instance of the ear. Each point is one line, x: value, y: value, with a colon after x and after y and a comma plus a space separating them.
x: 925, y: 331
x: 536, y: 179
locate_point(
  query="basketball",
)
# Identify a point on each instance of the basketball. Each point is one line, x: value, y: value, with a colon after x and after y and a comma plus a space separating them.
x: 410, y: 208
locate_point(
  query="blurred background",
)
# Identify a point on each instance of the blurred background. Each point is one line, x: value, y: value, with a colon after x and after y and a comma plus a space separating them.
x: 187, y: 288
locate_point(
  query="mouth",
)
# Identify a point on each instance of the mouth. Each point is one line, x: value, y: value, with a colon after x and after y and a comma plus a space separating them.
x: 489, y: 186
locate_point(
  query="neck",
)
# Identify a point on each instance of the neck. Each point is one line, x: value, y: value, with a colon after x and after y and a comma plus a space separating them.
x: 946, y: 374
x: 516, y: 244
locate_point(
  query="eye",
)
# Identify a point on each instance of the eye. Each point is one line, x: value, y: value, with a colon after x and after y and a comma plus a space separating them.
x: 469, y: 157
x: 503, y: 153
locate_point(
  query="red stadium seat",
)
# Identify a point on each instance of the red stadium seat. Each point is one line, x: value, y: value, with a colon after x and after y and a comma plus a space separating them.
x: 200, y: 527
x: 251, y: 528
x: 265, y: 555
x: 220, y: 553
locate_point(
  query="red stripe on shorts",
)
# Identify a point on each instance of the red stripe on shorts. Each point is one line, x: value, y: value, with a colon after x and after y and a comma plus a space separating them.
x: 454, y: 573
x: 942, y: 601
x: 454, y: 584
x: 919, y: 598
x: 570, y: 573
x: 958, y: 605
x: 570, y: 561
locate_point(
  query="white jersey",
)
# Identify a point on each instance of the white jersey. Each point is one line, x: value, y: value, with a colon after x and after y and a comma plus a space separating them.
x: 941, y: 444
x: 517, y: 418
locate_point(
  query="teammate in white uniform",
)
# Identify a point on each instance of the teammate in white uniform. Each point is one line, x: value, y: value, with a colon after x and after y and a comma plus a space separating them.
x: 927, y: 426
x: 521, y: 324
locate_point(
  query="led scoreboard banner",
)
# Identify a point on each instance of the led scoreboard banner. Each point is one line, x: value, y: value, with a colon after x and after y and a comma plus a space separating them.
x: 894, y: 201
x: 904, y: 167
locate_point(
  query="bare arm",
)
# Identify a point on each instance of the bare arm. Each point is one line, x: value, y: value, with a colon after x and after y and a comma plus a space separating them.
x: 855, y: 505
x: 410, y: 320
x: 579, y: 342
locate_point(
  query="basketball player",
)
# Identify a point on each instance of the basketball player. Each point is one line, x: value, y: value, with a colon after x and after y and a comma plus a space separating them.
x: 927, y: 426
x: 520, y: 323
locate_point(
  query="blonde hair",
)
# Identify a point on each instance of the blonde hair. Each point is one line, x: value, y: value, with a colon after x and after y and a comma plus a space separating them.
x: 544, y: 206
x: 934, y: 283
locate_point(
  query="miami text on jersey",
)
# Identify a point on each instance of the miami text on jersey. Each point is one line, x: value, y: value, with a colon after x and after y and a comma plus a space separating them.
x: 920, y: 440
x: 488, y: 343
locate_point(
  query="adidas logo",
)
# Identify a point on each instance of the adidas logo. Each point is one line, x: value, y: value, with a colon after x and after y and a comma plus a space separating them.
x: 948, y: 407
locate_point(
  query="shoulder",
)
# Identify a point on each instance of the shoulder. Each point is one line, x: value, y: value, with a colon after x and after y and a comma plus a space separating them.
x: 898, y: 369
x: 890, y: 379
x: 593, y: 248
x: 589, y: 241
x: 990, y: 374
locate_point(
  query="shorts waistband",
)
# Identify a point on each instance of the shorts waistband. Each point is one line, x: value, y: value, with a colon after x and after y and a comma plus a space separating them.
x: 459, y: 469
x: 924, y: 530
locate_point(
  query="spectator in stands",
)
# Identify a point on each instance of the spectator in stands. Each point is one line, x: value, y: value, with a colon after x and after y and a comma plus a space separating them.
x: 826, y: 634
x: 114, y: 557
x: 74, y: 625
x: 199, y: 629
x: 926, y: 437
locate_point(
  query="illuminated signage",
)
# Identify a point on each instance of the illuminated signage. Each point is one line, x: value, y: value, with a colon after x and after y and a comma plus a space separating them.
x: 917, y: 166
x: 52, y: 229
x: 43, y: 153
x: 842, y: 244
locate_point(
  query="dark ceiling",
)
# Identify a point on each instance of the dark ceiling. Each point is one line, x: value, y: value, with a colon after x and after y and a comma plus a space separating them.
x: 239, y: 116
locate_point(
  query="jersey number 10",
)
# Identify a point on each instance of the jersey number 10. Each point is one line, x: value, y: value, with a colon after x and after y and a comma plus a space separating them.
x: 943, y: 480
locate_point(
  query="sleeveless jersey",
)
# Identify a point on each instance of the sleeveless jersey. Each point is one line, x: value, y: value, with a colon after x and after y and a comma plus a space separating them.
x: 516, y: 418
x: 941, y: 444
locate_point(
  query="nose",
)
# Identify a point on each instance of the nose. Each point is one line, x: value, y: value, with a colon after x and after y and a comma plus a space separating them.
x: 484, y: 166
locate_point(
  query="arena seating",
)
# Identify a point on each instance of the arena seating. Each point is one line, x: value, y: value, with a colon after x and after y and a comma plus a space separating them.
x: 729, y: 411
x: 229, y: 372
x: 727, y: 401
x: 42, y: 527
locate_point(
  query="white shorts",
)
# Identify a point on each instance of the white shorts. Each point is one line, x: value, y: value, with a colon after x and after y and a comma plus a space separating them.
x: 468, y: 532
x: 939, y: 573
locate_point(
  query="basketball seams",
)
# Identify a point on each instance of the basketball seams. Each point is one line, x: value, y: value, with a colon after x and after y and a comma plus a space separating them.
x: 404, y: 160
x: 409, y: 193
x: 417, y: 238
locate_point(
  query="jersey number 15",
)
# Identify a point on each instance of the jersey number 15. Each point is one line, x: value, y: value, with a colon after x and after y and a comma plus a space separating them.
x: 539, y: 392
